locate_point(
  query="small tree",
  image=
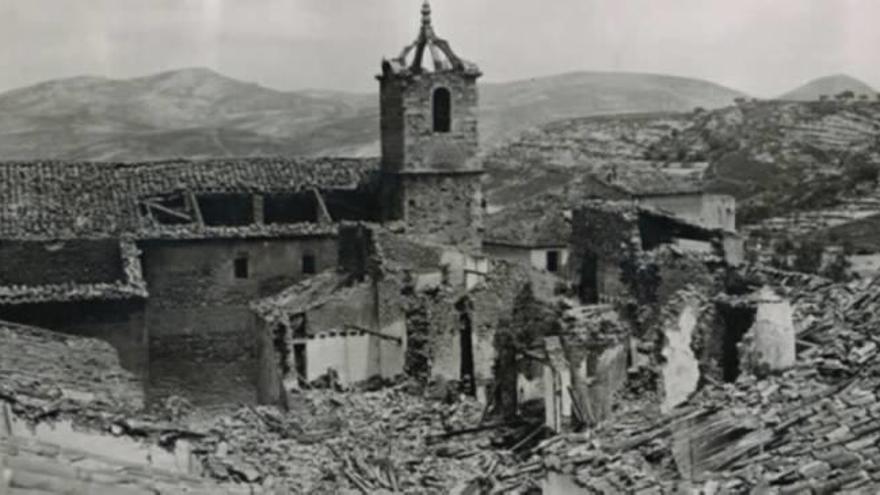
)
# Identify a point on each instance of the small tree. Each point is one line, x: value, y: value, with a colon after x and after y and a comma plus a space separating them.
x: 823, y: 97
x: 838, y: 268
x: 808, y: 257
x: 845, y: 95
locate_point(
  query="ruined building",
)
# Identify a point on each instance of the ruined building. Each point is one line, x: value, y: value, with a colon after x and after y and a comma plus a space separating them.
x: 164, y: 259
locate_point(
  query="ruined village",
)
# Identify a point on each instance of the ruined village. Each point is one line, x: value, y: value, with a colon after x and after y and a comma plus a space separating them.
x: 651, y: 303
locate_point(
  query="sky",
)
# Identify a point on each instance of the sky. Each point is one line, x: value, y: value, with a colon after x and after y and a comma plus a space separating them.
x: 762, y: 47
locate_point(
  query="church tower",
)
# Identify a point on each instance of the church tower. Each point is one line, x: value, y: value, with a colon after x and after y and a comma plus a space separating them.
x: 430, y: 177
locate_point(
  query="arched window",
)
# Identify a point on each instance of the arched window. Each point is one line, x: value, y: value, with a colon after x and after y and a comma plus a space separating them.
x: 442, y: 110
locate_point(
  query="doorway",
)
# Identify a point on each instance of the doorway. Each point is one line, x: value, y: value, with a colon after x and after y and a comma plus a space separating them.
x: 589, y: 280
x: 468, y: 381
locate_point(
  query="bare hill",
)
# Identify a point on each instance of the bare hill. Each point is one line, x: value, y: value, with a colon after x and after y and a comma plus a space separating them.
x: 829, y: 86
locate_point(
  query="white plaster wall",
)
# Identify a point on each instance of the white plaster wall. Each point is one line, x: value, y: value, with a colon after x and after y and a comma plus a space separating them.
x: 390, y: 352
x: 484, y: 355
x: 446, y: 362
x: 680, y: 370
x: 773, y: 335
x: 534, y: 257
x: 552, y: 399
x: 349, y: 356
x: 529, y: 389
x: 538, y: 258
x: 717, y: 211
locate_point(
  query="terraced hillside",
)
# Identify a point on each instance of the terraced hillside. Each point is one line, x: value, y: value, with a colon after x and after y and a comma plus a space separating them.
x: 774, y: 156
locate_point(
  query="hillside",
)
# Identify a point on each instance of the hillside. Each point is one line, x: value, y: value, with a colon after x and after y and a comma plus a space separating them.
x: 200, y: 113
x: 829, y: 86
x: 510, y: 108
x: 774, y: 156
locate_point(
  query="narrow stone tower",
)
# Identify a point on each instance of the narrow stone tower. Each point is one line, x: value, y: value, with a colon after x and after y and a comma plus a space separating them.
x: 431, y: 180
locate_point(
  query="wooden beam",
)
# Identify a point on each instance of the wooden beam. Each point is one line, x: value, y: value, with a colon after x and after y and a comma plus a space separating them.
x: 194, y: 206
x: 376, y: 333
x: 323, y: 212
x: 259, y: 209
x: 169, y: 211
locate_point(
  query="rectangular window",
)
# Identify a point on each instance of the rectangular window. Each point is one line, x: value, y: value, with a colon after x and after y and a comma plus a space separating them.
x: 308, y: 264
x: 552, y: 261
x: 241, y: 267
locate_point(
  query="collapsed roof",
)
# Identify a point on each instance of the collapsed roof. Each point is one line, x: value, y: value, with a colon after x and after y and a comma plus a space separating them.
x: 65, y: 200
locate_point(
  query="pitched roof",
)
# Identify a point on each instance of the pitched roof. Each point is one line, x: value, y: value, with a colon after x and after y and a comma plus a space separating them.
x: 62, y: 200
x: 647, y: 181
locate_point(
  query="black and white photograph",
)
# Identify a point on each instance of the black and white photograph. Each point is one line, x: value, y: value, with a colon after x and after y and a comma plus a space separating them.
x: 466, y: 247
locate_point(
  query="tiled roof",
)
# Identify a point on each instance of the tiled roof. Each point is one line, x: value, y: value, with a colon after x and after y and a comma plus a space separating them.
x: 130, y: 285
x: 61, y: 200
x: 308, y: 294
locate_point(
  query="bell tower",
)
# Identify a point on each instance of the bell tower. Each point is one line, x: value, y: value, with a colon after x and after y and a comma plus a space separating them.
x: 430, y: 178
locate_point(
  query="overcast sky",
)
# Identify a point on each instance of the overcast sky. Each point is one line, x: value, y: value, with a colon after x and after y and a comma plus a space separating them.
x: 763, y: 47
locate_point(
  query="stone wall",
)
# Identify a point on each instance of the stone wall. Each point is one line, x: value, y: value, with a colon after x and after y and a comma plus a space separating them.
x: 442, y: 208
x: 409, y: 142
x: 430, y: 179
x: 203, y: 337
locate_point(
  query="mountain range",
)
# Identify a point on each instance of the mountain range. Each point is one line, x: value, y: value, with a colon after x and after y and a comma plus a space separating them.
x: 200, y: 113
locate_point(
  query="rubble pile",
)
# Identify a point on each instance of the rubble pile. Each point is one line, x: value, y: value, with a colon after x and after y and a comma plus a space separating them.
x: 369, y: 442
x: 47, y: 374
x: 812, y: 428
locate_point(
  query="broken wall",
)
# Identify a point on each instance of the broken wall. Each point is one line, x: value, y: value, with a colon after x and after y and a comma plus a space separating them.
x: 336, y: 338
x: 120, y: 323
x: 654, y: 278
x: 679, y: 364
x: 202, y: 333
x: 769, y: 345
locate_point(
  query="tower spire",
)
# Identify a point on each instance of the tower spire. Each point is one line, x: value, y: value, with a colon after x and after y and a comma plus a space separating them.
x: 427, y: 29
